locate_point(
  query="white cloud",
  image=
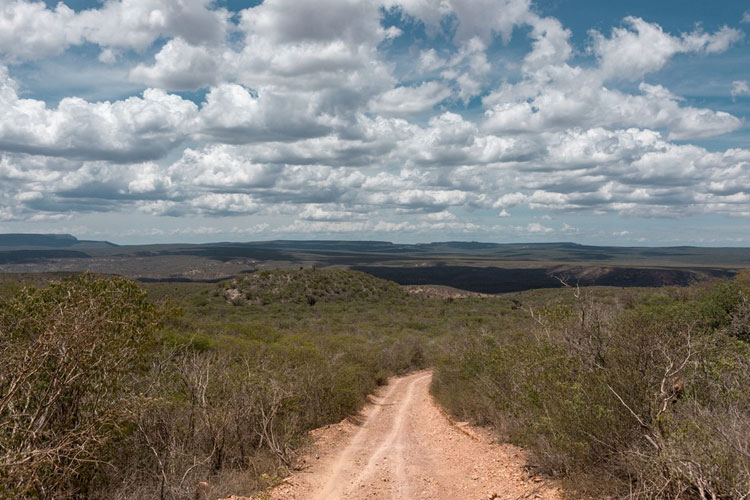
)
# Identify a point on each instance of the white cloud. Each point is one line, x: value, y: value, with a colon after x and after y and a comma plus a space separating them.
x: 138, y: 23
x: 315, y: 119
x: 209, y: 204
x: 477, y: 18
x: 535, y: 227
x: 132, y: 129
x: 550, y: 46
x: 217, y: 167
x: 180, y: 66
x: 30, y: 30
x: 380, y: 226
x: 225, y: 204
x: 429, y: 60
x: 564, y: 97
x: 328, y: 212
x: 740, y: 87
x: 233, y: 114
x: 442, y: 216
x: 631, y: 172
x: 642, y: 47
x: 410, y: 100
x: 290, y: 21
x: 108, y: 56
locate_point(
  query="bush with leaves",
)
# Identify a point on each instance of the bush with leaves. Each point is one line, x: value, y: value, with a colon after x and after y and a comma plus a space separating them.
x: 67, y: 353
x: 647, y: 401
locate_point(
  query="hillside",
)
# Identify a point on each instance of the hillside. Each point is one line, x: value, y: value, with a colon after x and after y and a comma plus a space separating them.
x: 472, y: 266
x: 308, y: 286
x: 174, y: 387
x: 30, y: 240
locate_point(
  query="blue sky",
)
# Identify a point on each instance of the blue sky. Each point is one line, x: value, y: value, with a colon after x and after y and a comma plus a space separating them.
x: 404, y: 120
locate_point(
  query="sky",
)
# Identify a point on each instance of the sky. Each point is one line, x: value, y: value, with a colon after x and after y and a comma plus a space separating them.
x: 145, y: 121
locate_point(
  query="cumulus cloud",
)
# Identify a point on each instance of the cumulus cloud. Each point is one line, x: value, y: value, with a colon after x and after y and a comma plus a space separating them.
x: 180, y: 66
x: 430, y: 60
x: 328, y: 46
x: 305, y: 117
x: 535, y: 227
x: 641, y: 47
x: 554, y: 95
x: 550, y: 44
x: 572, y: 102
x: 133, y: 129
x: 287, y: 21
x: 477, y: 18
x: 410, y: 100
x: 740, y: 87
x: 329, y: 212
x: 234, y: 114
x: 218, y: 168
x: 30, y: 30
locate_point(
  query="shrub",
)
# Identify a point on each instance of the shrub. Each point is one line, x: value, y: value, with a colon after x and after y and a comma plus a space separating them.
x: 67, y: 353
x: 648, y: 402
x: 309, y: 286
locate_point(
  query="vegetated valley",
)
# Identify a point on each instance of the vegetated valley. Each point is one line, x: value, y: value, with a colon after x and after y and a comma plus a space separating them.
x: 112, y: 389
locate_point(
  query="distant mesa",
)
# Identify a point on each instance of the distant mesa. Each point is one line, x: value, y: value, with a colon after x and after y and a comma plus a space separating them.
x: 27, y: 240
x: 479, y: 267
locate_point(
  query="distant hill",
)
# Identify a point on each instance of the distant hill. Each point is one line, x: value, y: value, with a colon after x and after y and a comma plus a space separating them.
x: 32, y: 256
x: 24, y: 240
x: 504, y: 280
x: 475, y: 266
x: 309, y: 286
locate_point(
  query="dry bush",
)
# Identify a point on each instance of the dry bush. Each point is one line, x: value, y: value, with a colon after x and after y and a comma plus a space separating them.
x: 92, y: 405
x: 66, y: 354
x: 232, y: 419
x: 206, y: 416
x: 649, y: 402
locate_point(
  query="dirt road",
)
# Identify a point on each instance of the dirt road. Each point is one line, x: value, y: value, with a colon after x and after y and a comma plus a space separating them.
x: 403, y: 447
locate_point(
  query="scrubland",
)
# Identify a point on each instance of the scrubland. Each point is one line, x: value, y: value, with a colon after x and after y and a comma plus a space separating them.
x: 624, y: 396
x: 113, y: 390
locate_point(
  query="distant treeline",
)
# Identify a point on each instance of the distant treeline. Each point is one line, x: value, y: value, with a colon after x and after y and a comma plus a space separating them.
x: 30, y: 256
x: 504, y: 280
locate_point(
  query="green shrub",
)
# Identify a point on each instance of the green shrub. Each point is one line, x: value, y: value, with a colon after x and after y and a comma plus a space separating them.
x: 67, y: 355
x: 309, y: 286
x: 648, y: 400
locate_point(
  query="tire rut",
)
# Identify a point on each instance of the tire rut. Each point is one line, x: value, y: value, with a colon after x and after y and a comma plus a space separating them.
x: 405, y: 448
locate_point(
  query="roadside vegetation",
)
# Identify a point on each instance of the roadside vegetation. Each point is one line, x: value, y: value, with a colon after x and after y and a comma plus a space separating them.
x: 624, y: 396
x: 114, y: 390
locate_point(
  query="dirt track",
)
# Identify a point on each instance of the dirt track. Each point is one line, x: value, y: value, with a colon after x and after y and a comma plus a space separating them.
x: 403, y: 447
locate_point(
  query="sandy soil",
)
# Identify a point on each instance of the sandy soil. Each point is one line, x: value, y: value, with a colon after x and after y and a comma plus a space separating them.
x: 402, y: 446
